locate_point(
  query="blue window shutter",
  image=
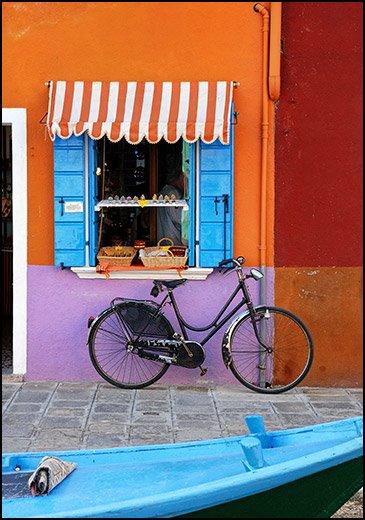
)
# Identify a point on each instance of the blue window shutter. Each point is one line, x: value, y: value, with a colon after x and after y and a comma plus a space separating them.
x: 216, y: 184
x: 93, y: 200
x: 69, y: 186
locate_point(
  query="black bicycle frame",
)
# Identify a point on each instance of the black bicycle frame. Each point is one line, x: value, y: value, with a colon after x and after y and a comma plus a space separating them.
x: 216, y: 324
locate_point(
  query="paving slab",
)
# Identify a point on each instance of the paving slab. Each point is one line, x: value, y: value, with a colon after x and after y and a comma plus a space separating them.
x: 72, y: 394
x: 197, y: 435
x: 33, y: 396
x: 61, y: 421
x: 10, y: 444
x: 157, y: 406
x: 113, y: 417
x: 112, y: 408
x: 107, y: 426
x: 12, y: 432
x: 25, y: 408
x: 149, y: 417
x: 150, y: 429
x: 39, y: 385
x: 58, y: 434
x: 112, y: 394
x: 8, y: 391
x: 71, y: 404
x: 157, y: 393
x: 151, y: 440
x: 288, y: 408
x: 250, y: 409
x: 102, y: 440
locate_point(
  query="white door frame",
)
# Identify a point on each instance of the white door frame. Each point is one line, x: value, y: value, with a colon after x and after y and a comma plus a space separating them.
x: 17, y: 118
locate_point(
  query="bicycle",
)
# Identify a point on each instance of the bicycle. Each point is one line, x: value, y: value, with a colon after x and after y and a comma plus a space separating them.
x: 267, y: 348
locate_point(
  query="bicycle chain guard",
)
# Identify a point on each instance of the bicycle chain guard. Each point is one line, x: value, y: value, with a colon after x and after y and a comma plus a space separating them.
x: 173, y: 349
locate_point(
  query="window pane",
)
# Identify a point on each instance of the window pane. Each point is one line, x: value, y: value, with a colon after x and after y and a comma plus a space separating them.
x: 153, y: 172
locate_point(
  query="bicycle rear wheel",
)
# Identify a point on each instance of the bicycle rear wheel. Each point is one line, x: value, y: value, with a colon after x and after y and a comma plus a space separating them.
x: 286, y: 361
x: 108, y: 344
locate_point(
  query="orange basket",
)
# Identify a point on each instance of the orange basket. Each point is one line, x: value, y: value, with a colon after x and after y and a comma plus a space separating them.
x: 116, y: 256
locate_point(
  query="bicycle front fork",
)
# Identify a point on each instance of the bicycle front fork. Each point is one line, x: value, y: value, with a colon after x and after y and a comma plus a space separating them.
x: 262, y: 333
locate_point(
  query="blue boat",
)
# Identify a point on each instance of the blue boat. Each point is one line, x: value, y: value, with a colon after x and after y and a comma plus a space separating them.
x: 307, y: 472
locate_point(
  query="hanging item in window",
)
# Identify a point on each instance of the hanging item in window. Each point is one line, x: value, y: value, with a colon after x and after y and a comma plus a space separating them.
x: 5, y: 206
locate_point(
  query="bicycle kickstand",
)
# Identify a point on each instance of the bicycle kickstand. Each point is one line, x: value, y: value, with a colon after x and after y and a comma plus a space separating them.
x: 203, y: 371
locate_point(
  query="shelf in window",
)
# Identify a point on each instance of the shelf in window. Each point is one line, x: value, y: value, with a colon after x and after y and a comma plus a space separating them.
x: 147, y: 203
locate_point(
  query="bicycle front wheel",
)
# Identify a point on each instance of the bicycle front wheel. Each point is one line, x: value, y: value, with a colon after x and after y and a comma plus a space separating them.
x: 108, y: 347
x: 284, y: 362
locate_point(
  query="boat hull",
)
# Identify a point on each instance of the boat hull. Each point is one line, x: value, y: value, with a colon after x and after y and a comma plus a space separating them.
x: 317, y: 496
x: 307, y: 472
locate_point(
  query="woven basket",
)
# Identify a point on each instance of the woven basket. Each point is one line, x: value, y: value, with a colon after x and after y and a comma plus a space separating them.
x: 159, y: 247
x: 116, y: 256
x: 162, y: 256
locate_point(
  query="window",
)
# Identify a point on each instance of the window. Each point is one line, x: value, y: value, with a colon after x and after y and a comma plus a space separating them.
x: 208, y: 194
x: 162, y: 113
x: 158, y: 176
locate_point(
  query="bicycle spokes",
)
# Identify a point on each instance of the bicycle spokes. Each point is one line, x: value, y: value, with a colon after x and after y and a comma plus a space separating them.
x: 114, y: 357
x: 275, y: 356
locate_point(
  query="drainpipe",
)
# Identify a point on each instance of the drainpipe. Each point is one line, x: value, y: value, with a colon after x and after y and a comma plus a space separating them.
x: 264, y: 145
x: 271, y: 28
x: 275, y: 49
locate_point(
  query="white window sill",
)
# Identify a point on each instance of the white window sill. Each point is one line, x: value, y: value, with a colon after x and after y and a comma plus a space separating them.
x: 193, y: 273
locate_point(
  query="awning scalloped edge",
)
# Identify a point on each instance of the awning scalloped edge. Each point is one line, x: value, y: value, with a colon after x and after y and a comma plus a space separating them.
x: 141, y: 110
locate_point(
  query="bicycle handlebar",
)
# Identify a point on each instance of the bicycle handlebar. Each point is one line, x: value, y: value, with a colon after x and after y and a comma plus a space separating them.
x: 238, y: 262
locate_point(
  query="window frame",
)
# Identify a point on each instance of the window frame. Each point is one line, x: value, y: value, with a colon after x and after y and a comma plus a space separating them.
x: 90, y: 166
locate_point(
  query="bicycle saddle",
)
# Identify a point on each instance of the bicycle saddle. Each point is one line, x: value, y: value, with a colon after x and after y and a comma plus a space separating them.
x: 171, y: 284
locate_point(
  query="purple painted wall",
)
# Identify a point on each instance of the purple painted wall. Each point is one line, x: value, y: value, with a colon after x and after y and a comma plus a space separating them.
x: 59, y: 305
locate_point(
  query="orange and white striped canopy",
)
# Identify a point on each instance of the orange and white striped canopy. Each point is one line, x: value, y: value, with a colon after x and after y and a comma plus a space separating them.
x: 136, y: 110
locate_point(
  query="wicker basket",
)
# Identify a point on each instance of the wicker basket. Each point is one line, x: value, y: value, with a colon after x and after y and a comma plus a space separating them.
x: 159, y: 247
x: 116, y: 256
x: 162, y: 256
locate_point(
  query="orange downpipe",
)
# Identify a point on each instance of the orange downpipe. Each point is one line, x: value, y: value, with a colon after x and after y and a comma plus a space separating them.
x: 264, y: 129
x: 275, y: 50
x: 271, y: 30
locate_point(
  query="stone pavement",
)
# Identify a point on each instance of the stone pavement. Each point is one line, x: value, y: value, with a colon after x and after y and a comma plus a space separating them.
x: 50, y: 415
x: 57, y: 416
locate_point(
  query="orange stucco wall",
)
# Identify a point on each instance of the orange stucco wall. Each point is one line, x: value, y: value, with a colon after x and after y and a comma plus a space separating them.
x: 135, y: 41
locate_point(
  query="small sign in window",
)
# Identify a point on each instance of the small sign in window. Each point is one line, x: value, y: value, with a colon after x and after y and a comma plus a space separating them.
x: 74, y: 207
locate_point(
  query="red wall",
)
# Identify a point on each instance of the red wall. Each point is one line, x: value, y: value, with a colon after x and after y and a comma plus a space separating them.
x: 318, y: 171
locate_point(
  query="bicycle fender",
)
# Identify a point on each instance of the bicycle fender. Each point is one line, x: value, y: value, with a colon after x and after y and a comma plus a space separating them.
x: 228, y: 334
x: 98, y: 317
x: 105, y: 311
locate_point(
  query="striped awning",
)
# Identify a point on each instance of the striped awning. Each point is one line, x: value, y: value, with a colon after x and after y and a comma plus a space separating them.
x: 137, y: 110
